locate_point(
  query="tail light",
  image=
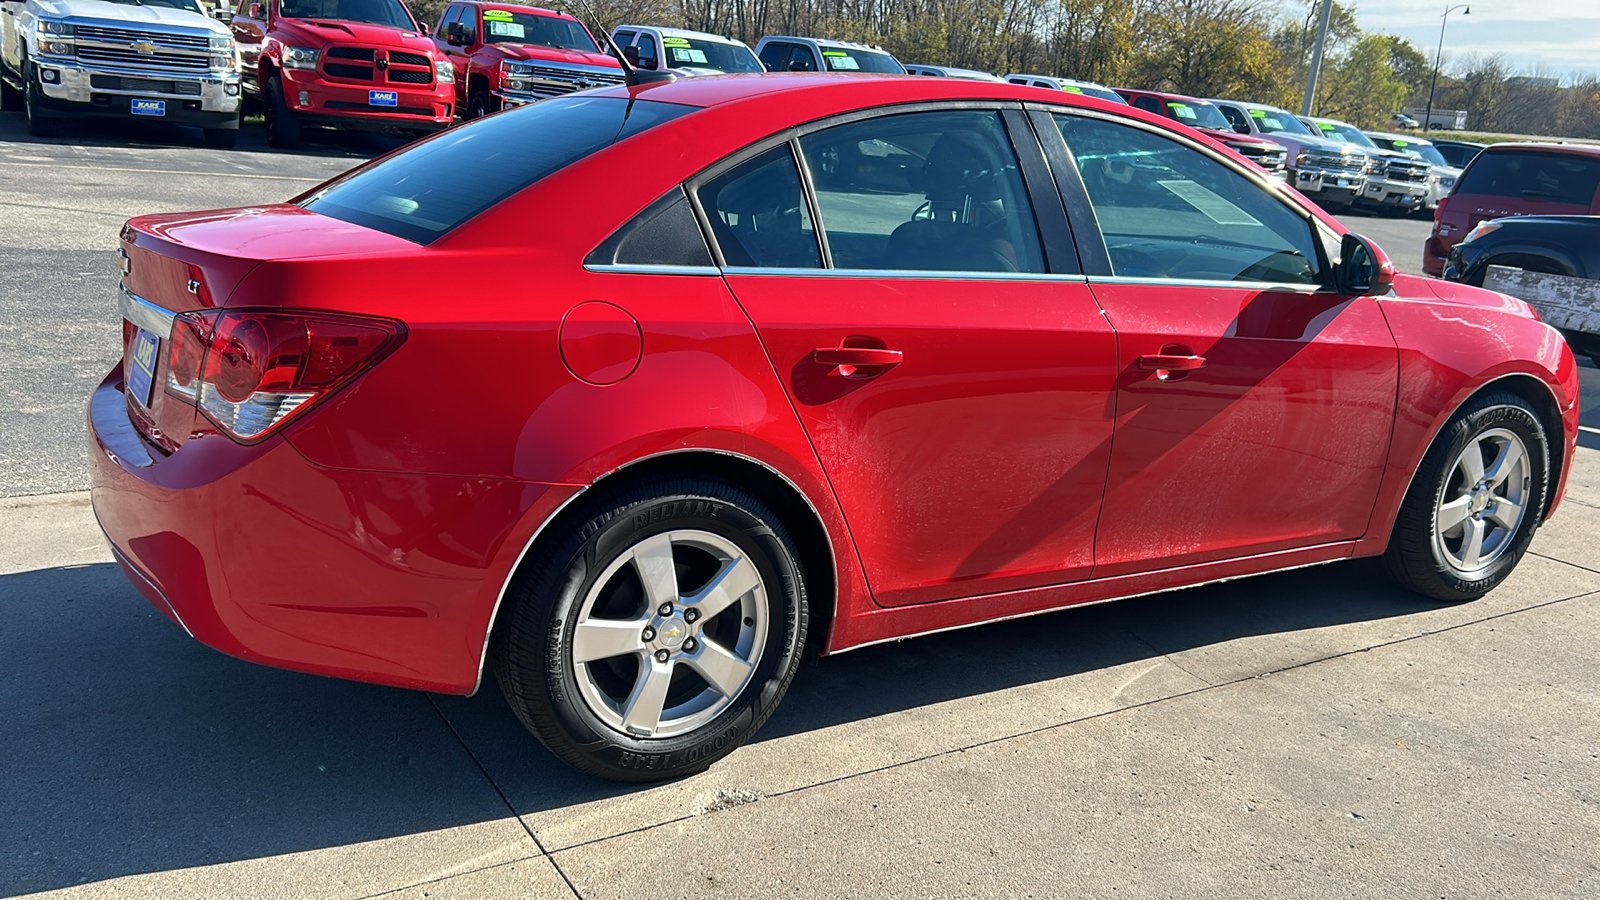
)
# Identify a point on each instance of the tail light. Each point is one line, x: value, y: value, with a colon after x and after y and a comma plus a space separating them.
x: 250, y: 372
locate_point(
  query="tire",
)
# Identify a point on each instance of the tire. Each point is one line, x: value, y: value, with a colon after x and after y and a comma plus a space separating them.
x: 591, y: 708
x: 38, y: 125
x: 10, y: 97
x: 283, y: 126
x: 482, y: 103
x: 1428, y: 553
x: 222, y: 138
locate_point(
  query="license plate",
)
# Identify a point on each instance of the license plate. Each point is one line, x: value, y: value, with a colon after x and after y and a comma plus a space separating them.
x: 383, y: 98
x: 142, y: 366
x: 149, y: 107
x: 1344, y: 182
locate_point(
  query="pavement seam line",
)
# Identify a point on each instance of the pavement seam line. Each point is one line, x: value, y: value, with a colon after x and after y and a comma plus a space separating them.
x: 1564, y: 562
x: 502, y: 794
x: 4, y: 162
x: 1088, y: 718
x: 443, y: 878
x: 1174, y: 663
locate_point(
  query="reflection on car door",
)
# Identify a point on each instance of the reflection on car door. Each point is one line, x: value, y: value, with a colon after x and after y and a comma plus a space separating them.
x: 1254, y: 407
x: 956, y: 388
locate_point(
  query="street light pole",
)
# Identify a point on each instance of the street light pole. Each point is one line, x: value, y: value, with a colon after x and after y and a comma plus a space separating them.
x: 1427, y: 118
x: 1316, y: 59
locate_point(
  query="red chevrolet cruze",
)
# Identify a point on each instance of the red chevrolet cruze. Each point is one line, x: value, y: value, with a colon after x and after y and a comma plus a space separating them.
x: 622, y: 397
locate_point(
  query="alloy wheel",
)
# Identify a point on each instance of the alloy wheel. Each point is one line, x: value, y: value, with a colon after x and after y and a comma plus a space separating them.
x: 1484, y: 499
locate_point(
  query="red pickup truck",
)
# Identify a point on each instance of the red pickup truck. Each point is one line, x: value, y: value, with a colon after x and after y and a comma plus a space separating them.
x: 353, y: 64
x: 506, y: 54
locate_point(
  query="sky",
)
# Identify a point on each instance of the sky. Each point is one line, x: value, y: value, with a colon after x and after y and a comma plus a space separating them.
x: 1560, y: 36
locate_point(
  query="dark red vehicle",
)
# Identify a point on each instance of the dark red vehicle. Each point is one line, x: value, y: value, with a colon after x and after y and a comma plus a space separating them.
x: 1208, y: 120
x: 1514, y: 180
x: 365, y: 65
x: 1023, y: 353
x: 506, y: 55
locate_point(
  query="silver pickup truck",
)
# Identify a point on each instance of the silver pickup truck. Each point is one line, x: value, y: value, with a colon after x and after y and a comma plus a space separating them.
x: 157, y: 59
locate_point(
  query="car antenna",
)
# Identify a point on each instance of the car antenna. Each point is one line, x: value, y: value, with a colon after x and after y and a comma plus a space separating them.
x: 631, y: 74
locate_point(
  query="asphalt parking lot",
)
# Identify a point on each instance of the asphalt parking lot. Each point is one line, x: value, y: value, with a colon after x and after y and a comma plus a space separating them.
x: 1311, y: 734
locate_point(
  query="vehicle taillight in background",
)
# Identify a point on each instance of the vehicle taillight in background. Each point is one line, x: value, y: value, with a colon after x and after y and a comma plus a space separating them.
x: 250, y: 372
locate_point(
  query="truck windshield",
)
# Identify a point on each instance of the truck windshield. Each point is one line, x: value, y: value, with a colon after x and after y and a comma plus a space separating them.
x: 371, y: 12
x: 439, y: 183
x: 189, y: 5
x: 850, y: 59
x: 1427, y: 152
x: 684, y: 53
x: 1197, y: 114
x: 1273, y: 121
x: 505, y: 27
x: 1345, y: 134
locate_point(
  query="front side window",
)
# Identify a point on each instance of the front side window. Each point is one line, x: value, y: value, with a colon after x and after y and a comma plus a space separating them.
x: 371, y: 12
x: 775, y: 56
x: 1148, y: 104
x: 647, y: 51
x: 1236, y: 118
x: 439, y: 183
x: 757, y: 212
x: 930, y: 191
x: 450, y: 17
x: 1169, y: 211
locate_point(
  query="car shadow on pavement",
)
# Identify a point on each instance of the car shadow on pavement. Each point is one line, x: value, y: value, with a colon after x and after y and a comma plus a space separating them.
x: 123, y: 133
x: 130, y: 748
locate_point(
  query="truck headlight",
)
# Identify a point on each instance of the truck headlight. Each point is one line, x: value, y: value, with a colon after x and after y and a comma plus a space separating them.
x: 300, y: 57
x: 55, y: 48
x: 1300, y: 158
x: 443, y: 70
x: 47, y: 26
x: 221, y: 42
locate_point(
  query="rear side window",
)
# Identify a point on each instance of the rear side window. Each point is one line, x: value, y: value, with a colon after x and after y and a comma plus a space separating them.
x: 775, y: 55
x: 758, y: 214
x: 437, y: 184
x: 1536, y: 176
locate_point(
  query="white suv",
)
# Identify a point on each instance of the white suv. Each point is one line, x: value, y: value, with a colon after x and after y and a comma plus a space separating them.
x: 684, y: 52
x: 1050, y: 82
x: 803, y: 54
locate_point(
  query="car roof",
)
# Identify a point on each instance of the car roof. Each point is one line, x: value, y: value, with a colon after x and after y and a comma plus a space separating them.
x: 679, y: 32
x: 826, y: 42
x: 516, y: 7
x: 953, y: 72
x: 1328, y: 120
x: 1164, y: 95
x: 1545, y: 147
x: 1392, y: 136
x: 842, y: 89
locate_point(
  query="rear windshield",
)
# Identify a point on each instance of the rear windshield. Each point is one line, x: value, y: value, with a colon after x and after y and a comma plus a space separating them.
x: 435, y: 185
x: 1537, y: 176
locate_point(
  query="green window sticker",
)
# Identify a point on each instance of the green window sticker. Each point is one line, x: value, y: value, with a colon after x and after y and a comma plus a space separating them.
x: 497, y: 15
x: 1258, y: 114
x: 1402, y: 143
x: 1182, y: 111
x: 1072, y: 89
x: 834, y: 53
x: 1325, y: 126
x: 674, y: 42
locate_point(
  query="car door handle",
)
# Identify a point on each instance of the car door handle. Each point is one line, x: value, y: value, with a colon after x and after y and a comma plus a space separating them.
x: 1171, y: 362
x: 857, y: 356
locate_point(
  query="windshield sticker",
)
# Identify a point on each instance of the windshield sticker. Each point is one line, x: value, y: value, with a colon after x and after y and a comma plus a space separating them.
x: 1182, y: 110
x: 1325, y: 126
x: 688, y: 55
x: 1072, y: 89
x: 500, y: 14
x: 1215, y: 207
x: 1402, y: 143
x: 1258, y: 113
x: 674, y: 42
x: 505, y: 29
x: 841, y: 63
x: 834, y: 53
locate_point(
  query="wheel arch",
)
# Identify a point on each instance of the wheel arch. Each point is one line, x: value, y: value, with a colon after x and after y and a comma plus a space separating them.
x: 1534, y: 257
x: 818, y: 555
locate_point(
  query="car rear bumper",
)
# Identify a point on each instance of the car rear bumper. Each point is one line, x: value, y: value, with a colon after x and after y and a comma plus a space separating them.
x: 374, y: 576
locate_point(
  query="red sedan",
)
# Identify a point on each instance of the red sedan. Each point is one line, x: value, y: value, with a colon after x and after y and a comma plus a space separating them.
x: 622, y: 398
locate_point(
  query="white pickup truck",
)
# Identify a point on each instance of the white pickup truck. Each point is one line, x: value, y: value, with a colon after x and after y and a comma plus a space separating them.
x: 158, y: 59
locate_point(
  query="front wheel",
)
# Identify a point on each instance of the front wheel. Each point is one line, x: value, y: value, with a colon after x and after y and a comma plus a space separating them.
x: 1475, y: 502
x: 660, y: 635
x: 39, y: 124
x: 481, y: 104
x: 283, y: 126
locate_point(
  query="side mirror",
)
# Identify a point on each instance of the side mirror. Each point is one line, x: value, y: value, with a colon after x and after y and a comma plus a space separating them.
x: 1240, y: 129
x: 631, y: 54
x: 647, y: 62
x: 1363, y: 268
x: 257, y: 11
x: 455, y: 34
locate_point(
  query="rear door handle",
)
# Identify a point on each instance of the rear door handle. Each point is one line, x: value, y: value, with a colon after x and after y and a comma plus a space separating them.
x: 853, y: 357
x: 1156, y: 362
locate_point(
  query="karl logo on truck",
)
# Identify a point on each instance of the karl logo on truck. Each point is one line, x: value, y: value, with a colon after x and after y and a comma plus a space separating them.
x: 383, y: 98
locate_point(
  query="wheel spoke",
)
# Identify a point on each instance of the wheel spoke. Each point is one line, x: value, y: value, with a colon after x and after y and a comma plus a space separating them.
x: 736, y: 579
x: 1472, y: 465
x: 1505, y: 512
x: 1452, y: 514
x: 1506, y: 462
x: 642, y: 711
x: 723, y: 670
x: 1472, y: 544
x: 652, y: 559
x: 605, y: 638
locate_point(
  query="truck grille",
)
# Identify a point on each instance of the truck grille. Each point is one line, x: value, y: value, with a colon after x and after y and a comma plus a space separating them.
x: 144, y: 85
x: 375, y: 64
x: 1329, y: 162
x: 125, y: 57
x: 1406, y: 170
x: 574, y: 75
x: 133, y: 36
x: 1272, y: 160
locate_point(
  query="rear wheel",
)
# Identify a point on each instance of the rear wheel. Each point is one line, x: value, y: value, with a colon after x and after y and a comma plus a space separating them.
x: 657, y: 637
x: 1475, y: 502
x: 283, y: 126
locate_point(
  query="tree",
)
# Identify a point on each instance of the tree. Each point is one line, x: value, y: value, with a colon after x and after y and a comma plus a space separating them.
x: 1364, y: 88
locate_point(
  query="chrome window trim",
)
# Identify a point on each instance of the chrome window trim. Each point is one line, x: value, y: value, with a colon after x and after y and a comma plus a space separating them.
x: 1281, y: 286
x: 145, y: 314
x: 643, y: 269
x: 499, y: 600
x: 918, y: 274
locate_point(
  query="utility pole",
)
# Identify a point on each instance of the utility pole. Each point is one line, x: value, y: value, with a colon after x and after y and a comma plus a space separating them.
x: 1427, y: 118
x: 1316, y: 57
